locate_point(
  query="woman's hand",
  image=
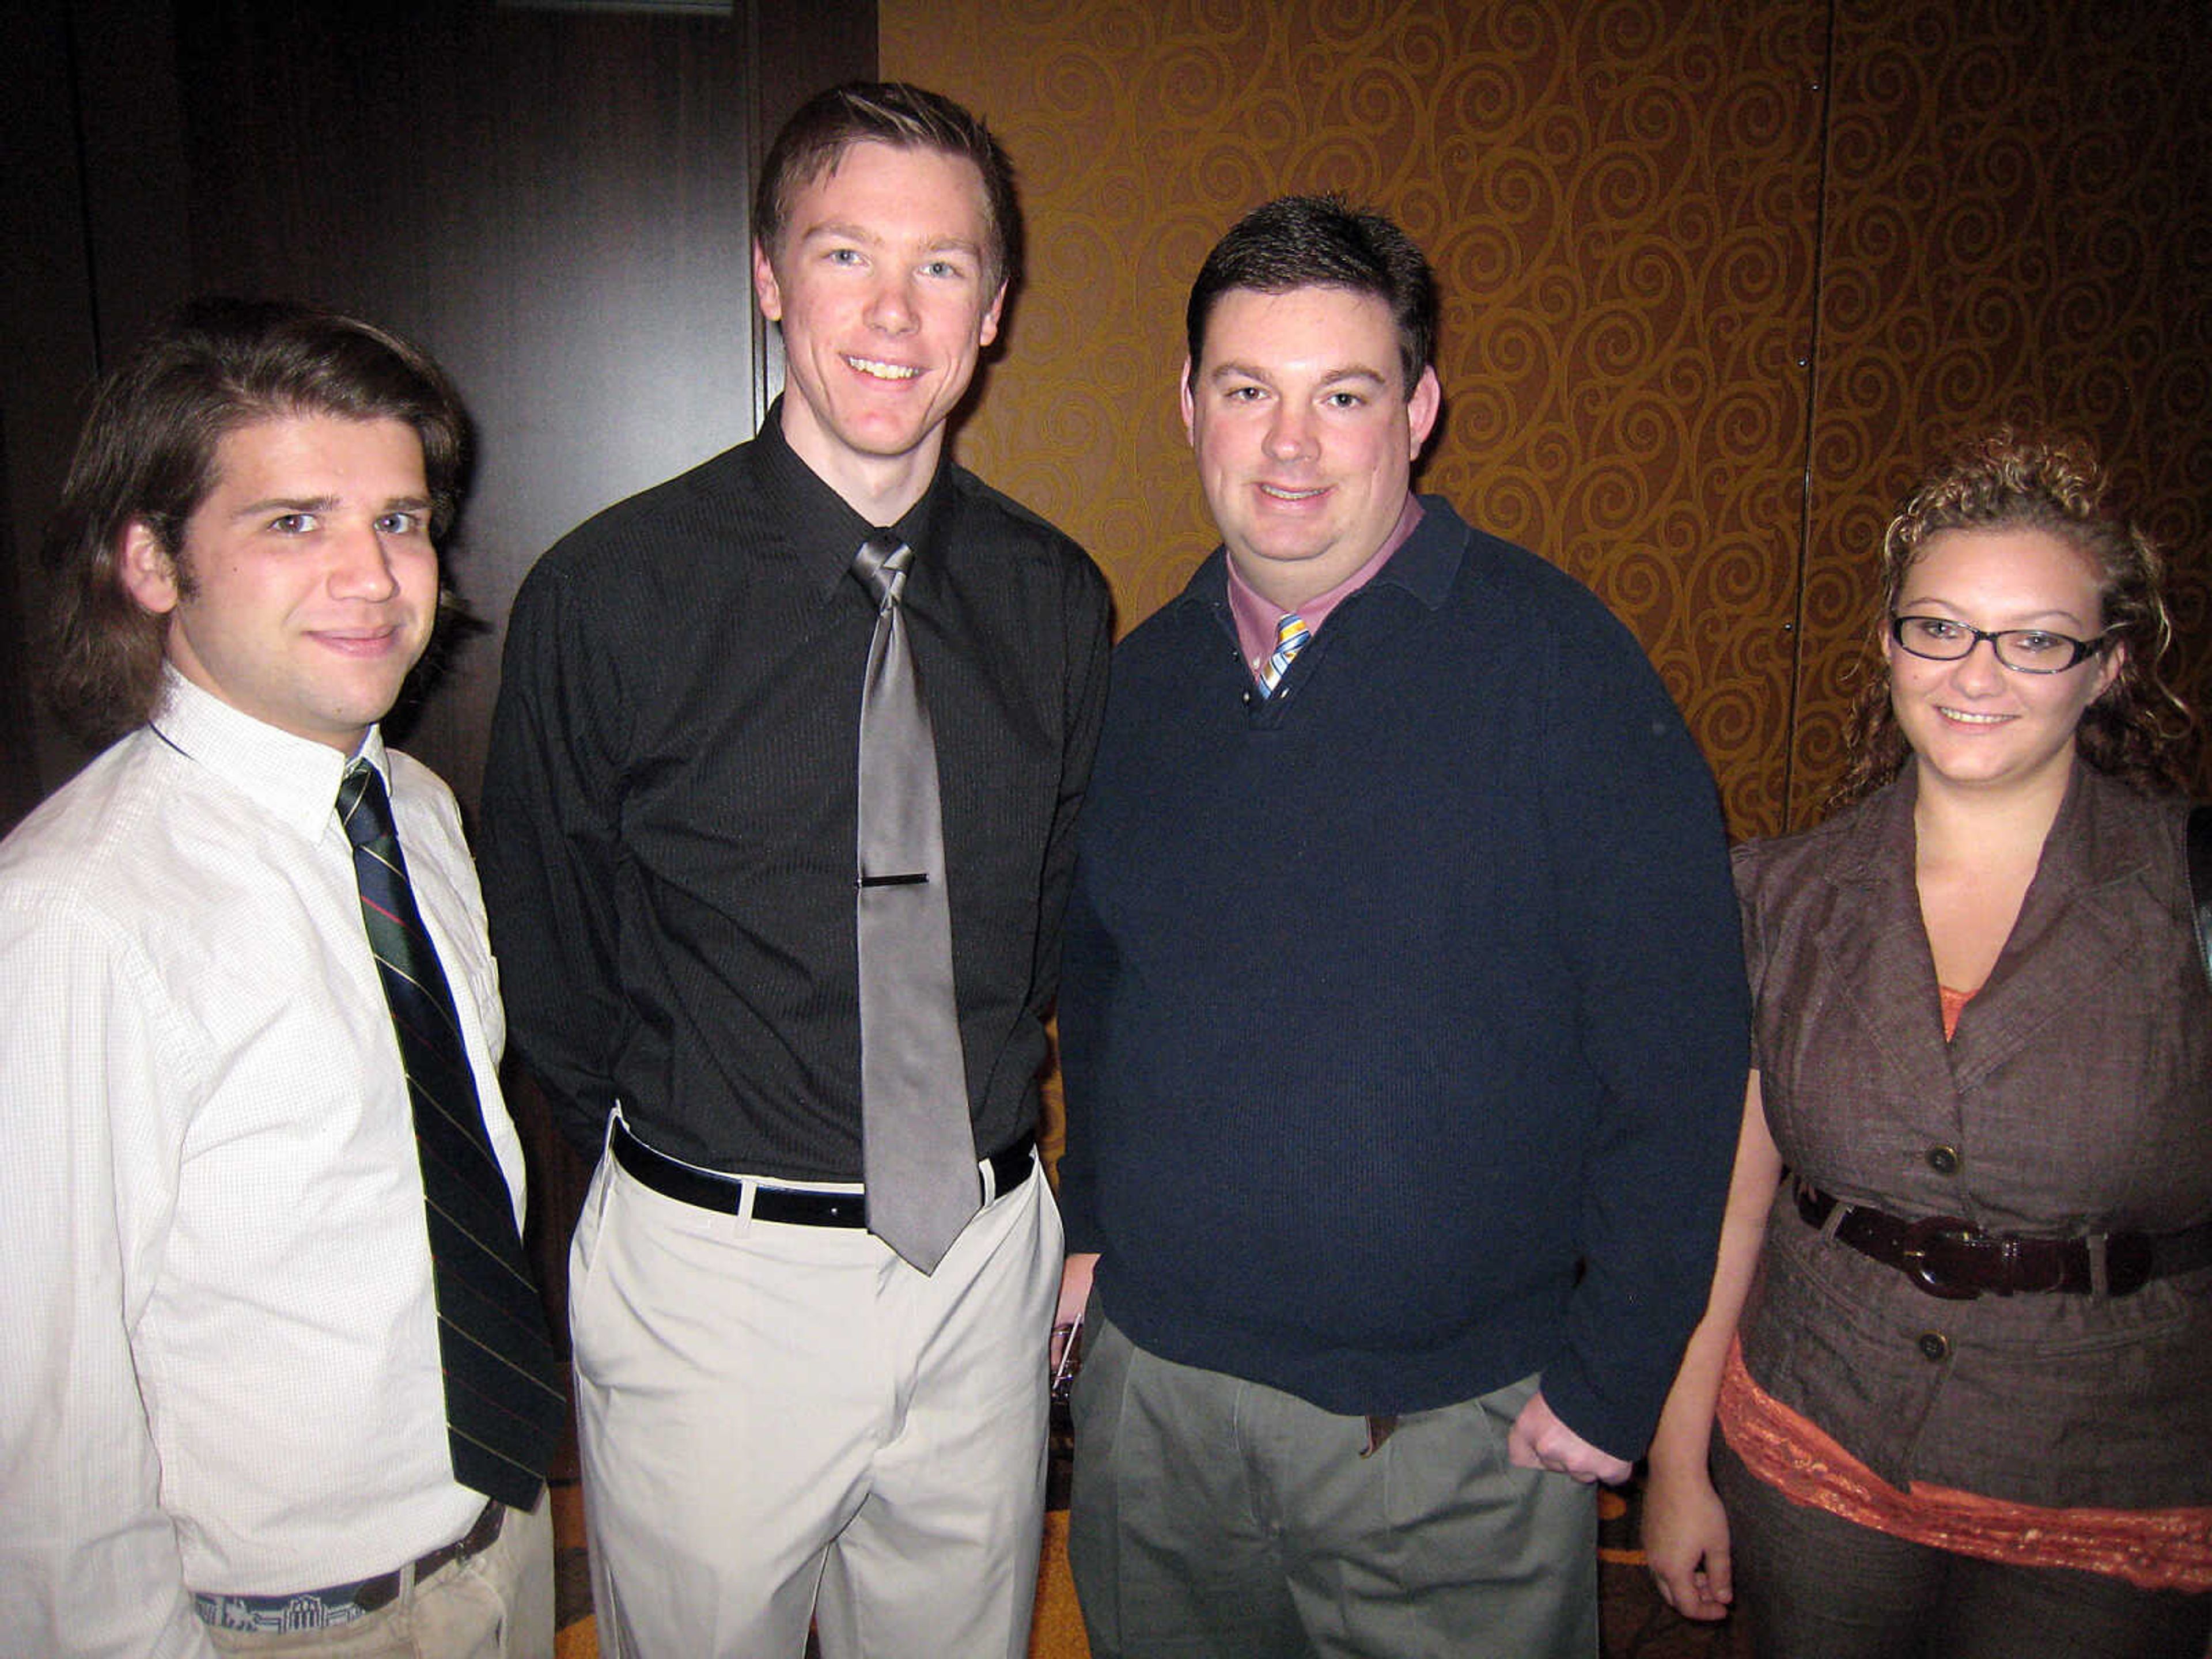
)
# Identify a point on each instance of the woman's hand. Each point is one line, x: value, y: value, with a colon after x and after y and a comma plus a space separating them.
x: 1686, y: 1544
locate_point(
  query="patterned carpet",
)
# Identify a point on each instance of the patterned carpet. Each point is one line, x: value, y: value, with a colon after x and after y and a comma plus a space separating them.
x: 1635, y: 1624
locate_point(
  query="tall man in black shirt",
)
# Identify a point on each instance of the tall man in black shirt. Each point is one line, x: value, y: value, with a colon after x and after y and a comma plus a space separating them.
x: 770, y: 1398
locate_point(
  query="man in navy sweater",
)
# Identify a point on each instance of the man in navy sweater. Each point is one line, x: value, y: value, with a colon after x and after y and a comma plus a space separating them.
x: 1403, y: 1024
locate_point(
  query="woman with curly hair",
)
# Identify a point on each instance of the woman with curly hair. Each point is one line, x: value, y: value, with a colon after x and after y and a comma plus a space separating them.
x: 1961, y: 1358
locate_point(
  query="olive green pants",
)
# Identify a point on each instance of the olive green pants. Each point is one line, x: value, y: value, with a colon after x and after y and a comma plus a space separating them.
x: 1214, y: 1518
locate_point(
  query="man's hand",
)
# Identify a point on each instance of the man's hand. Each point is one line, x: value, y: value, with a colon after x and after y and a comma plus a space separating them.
x: 1540, y: 1441
x: 1075, y: 1288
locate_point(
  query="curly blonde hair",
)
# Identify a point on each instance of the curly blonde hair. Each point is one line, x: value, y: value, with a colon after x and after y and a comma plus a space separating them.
x: 2139, y: 729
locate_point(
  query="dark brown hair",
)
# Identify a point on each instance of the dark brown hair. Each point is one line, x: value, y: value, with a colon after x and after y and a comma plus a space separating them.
x: 147, y: 455
x: 2139, y: 728
x: 815, y: 139
x: 1318, y: 241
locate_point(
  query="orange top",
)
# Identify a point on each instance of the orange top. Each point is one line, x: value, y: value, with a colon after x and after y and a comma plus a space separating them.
x: 1954, y: 1003
x: 2152, y: 1549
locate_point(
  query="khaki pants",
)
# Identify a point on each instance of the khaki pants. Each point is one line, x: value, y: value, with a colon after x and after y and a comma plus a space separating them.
x: 780, y: 1422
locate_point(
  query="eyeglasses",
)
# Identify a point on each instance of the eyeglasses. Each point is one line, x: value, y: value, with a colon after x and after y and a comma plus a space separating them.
x: 2023, y: 650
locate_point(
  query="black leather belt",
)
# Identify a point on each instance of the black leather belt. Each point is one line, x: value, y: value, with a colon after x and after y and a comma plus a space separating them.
x: 1955, y: 1260
x: 794, y: 1206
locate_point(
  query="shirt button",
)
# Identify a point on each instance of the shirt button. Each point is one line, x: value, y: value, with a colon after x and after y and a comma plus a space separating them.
x: 1934, y: 1345
x: 1944, y: 1160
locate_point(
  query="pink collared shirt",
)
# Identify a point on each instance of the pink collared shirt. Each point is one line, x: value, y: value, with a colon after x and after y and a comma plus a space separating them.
x: 1256, y: 617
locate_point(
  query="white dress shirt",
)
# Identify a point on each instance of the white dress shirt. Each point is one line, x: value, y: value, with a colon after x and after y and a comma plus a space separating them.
x: 222, y: 1365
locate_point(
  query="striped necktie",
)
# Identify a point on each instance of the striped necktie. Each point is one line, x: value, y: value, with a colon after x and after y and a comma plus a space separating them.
x: 1291, y: 638
x: 504, y: 1400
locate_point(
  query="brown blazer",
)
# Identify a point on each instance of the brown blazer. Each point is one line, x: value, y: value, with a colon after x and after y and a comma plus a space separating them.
x: 2075, y: 1098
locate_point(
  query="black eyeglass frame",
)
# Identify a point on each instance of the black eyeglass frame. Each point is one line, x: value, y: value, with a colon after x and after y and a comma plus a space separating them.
x: 2083, y: 649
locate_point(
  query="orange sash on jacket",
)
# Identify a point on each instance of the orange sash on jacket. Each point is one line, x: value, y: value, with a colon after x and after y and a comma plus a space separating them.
x: 2151, y: 1549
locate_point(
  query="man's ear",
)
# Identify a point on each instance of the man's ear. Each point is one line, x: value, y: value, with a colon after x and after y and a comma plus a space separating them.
x: 1423, y: 407
x: 148, y: 573
x: 988, y: 329
x: 768, y: 293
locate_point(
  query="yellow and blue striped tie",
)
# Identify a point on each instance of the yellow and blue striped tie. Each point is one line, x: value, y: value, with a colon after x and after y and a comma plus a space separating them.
x: 1291, y: 638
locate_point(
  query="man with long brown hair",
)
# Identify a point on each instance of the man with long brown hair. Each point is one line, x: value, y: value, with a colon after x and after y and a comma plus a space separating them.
x: 278, y: 1380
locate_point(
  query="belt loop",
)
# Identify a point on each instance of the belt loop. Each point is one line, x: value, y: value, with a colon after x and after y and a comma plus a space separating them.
x: 1838, y: 1213
x: 2100, y: 1277
x: 747, y: 1191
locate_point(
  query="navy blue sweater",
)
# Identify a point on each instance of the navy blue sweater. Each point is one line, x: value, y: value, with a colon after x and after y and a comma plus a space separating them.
x: 1403, y: 1013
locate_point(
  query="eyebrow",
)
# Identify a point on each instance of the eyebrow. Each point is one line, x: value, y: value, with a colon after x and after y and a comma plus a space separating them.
x: 1361, y: 373
x: 323, y: 504
x: 840, y: 229
x: 2058, y: 613
x: 287, y: 504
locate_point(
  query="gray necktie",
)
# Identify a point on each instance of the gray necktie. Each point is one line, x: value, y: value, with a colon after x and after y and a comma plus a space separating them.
x: 919, y: 1151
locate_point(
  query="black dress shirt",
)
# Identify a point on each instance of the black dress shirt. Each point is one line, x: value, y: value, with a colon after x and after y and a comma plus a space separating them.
x: 669, y: 807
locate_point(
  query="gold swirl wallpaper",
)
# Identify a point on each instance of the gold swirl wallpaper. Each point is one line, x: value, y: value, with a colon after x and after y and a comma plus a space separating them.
x: 2019, y: 228
x: 1719, y: 279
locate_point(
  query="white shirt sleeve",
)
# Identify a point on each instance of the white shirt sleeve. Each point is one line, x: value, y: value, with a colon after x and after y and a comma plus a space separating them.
x: 89, y: 1563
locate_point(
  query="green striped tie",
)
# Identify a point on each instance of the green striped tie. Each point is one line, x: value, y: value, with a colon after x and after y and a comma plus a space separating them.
x: 504, y: 1400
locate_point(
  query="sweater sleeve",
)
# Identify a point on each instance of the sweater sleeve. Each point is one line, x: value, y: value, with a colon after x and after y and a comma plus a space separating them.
x: 1648, y: 918
x: 1087, y: 972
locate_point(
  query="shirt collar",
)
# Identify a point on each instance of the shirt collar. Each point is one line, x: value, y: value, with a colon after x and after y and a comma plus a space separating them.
x: 294, y: 779
x: 1426, y: 567
x: 1257, y: 615
x: 824, y: 530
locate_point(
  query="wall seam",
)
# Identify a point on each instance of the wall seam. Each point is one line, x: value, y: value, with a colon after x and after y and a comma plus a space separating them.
x: 1797, y: 654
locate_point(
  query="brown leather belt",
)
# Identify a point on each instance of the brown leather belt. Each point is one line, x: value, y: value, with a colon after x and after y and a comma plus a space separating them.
x: 376, y: 1592
x: 1953, y: 1259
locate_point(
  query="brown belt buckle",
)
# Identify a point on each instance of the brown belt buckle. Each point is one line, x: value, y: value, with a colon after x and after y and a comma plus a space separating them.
x: 1922, y: 1258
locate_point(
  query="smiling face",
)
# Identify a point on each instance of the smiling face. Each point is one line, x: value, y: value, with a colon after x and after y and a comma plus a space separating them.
x: 1303, y: 432
x: 882, y: 287
x: 1973, y: 722
x: 306, y: 586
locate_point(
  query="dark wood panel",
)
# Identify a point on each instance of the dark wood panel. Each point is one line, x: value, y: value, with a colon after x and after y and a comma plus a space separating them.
x: 555, y: 202
x: 48, y: 356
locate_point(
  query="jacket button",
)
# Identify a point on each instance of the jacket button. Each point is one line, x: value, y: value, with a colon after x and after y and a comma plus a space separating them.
x: 1944, y: 1160
x: 1934, y: 1345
